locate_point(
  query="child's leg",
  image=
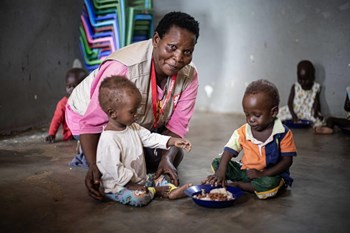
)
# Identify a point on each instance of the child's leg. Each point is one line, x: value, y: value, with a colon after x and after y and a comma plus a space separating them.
x: 133, y: 197
x: 265, y: 187
x: 166, y: 189
x: 328, y: 128
x: 233, y: 172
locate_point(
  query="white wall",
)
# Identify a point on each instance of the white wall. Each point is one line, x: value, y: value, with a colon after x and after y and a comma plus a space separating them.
x: 242, y: 40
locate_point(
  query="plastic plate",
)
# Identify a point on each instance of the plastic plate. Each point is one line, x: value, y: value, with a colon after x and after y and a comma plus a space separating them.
x: 299, y: 125
x: 197, y: 189
x: 345, y: 130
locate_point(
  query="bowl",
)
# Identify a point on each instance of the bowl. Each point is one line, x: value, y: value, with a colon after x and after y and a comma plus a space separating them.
x: 299, y: 125
x: 345, y: 130
x: 197, y: 189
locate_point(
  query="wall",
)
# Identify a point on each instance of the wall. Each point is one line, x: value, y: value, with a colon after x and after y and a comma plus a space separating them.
x: 39, y: 42
x: 241, y: 41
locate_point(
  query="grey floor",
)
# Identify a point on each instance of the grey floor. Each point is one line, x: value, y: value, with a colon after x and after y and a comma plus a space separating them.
x: 40, y: 193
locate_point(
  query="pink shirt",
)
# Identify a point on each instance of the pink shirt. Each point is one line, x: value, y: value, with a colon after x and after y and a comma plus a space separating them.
x: 94, y: 118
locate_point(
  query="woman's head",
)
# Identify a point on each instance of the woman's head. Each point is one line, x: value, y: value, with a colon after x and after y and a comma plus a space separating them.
x: 119, y: 98
x: 260, y: 104
x: 174, y: 41
x: 73, y: 77
x: 178, y: 19
x: 306, y: 74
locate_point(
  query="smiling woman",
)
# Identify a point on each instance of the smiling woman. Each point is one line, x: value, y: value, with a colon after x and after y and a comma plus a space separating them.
x: 161, y: 69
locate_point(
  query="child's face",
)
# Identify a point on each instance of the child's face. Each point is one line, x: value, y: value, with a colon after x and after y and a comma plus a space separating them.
x: 305, y: 78
x: 127, y: 111
x: 71, y: 83
x: 258, y: 111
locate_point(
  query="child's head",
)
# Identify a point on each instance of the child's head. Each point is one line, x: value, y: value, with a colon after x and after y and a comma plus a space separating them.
x: 260, y: 104
x: 306, y: 74
x: 119, y: 98
x: 73, y: 77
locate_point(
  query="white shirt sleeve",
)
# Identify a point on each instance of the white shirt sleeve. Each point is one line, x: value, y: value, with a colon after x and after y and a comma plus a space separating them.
x: 152, y: 140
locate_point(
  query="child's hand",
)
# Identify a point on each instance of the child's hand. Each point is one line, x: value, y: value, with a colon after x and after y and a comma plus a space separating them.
x: 180, y: 143
x: 50, y: 138
x: 215, y: 180
x: 296, y: 120
x: 253, y: 173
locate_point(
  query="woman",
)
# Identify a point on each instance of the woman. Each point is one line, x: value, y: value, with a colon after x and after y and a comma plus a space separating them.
x: 161, y: 68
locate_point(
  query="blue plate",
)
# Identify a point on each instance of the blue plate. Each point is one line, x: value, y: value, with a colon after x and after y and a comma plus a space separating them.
x: 299, y: 125
x: 197, y: 189
x: 345, y: 130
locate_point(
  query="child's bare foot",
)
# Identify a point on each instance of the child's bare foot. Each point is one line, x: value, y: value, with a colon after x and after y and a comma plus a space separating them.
x: 323, y: 130
x: 178, y: 192
x: 162, y: 191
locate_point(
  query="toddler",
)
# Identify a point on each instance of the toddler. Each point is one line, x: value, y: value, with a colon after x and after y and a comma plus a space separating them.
x: 331, y: 122
x: 304, y: 97
x: 73, y: 77
x: 120, y: 155
x: 268, y: 146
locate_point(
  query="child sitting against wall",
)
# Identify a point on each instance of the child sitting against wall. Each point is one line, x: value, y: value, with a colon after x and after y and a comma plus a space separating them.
x: 73, y: 77
x: 268, y: 146
x: 120, y: 156
x: 331, y: 122
x: 304, y: 97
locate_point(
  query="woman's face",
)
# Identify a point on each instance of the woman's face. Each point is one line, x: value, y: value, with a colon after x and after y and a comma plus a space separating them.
x: 173, y: 51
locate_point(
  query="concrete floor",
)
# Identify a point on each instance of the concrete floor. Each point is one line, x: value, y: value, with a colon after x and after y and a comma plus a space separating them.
x: 40, y: 193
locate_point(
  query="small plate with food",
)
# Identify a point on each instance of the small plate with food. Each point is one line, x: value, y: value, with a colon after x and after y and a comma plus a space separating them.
x: 213, y: 197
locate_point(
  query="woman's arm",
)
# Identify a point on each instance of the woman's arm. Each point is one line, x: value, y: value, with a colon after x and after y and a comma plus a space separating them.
x: 167, y: 164
x: 93, y: 177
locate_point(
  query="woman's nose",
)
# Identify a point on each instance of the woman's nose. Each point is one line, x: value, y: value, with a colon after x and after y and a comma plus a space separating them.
x: 178, y: 56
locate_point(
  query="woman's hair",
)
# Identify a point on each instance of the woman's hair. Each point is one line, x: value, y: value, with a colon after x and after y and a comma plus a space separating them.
x: 178, y: 19
x: 114, y: 90
x: 266, y: 87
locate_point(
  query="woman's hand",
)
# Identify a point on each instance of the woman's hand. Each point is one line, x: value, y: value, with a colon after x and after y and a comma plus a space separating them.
x: 92, y: 182
x: 166, y: 167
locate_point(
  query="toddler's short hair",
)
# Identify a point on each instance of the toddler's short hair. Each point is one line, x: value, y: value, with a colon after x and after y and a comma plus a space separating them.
x: 266, y: 87
x: 308, y: 67
x: 78, y: 73
x: 114, y: 90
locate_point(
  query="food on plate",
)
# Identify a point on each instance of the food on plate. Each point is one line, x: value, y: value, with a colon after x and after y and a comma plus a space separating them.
x: 218, y: 194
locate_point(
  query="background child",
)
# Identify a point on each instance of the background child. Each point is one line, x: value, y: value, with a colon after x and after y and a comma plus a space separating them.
x: 304, y: 97
x: 73, y: 77
x: 120, y: 155
x: 343, y: 123
x: 268, y: 146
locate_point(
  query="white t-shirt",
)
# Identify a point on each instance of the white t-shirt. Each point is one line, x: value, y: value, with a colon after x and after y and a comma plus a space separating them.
x: 120, y: 156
